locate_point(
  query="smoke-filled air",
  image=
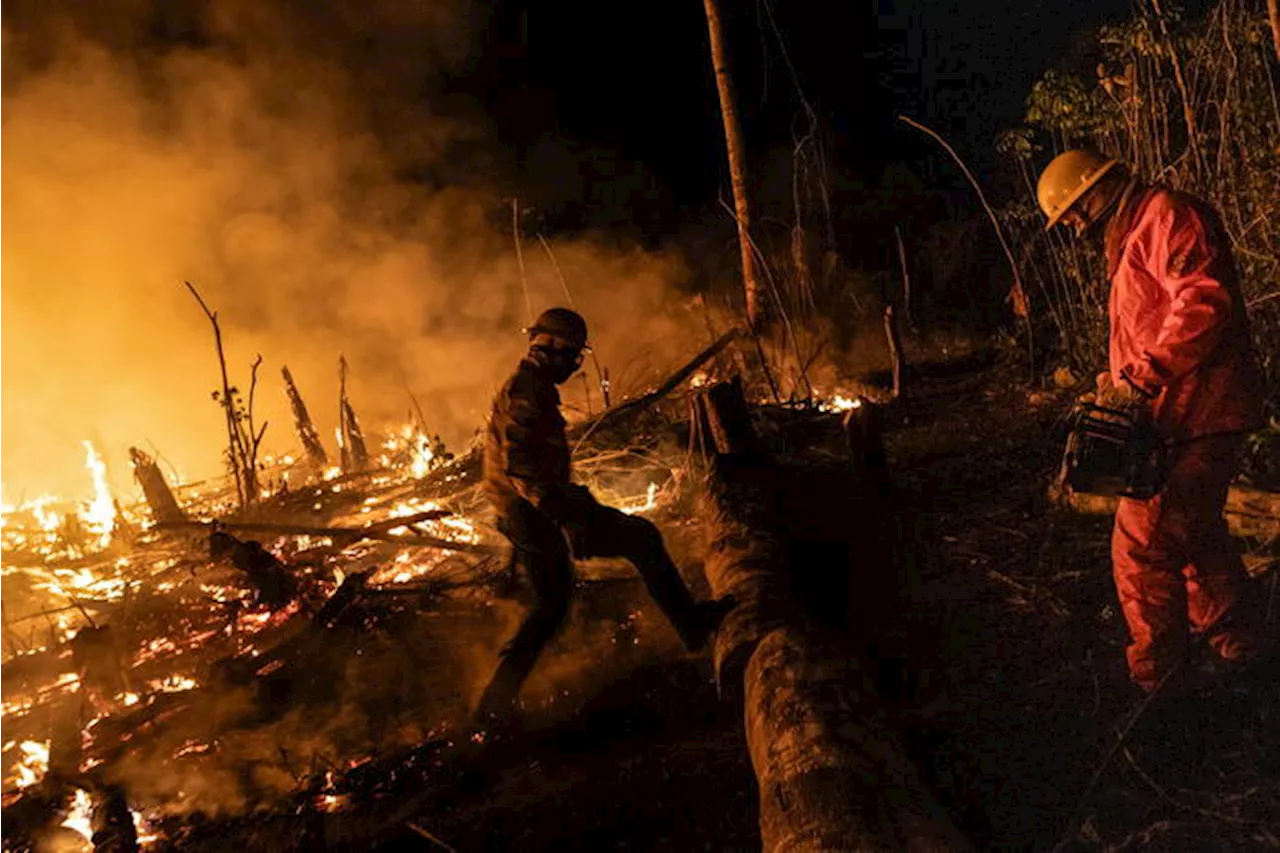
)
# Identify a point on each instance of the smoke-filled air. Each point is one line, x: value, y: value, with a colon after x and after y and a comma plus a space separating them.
x: 262, y: 171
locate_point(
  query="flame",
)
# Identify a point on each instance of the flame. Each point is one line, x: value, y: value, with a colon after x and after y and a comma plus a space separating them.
x: 423, y: 456
x: 650, y: 501
x: 34, y: 763
x: 146, y: 835
x: 80, y: 817
x: 839, y: 402
x: 99, y: 516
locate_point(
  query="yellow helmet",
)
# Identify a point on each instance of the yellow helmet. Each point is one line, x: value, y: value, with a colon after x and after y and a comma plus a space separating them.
x: 1068, y: 177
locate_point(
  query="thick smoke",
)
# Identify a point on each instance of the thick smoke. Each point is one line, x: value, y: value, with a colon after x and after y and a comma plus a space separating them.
x: 261, y: 155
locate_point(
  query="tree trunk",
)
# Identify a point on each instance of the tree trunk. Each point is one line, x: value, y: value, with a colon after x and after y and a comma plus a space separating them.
x: 831, y: 773
x: 737, y: 160
x: 1273, y: 14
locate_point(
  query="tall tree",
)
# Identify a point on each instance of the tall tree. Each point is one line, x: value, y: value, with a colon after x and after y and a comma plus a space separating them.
x: 1273, y: 14
x: 737, y: 160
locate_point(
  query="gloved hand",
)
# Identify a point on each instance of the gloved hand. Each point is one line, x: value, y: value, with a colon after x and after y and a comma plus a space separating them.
x: 1124, y: 397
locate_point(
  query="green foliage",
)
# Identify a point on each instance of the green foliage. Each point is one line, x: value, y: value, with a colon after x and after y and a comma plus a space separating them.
x: 1191, y: 104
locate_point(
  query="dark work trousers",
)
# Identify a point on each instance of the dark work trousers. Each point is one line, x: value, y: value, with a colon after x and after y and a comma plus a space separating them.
x: 544, y: 553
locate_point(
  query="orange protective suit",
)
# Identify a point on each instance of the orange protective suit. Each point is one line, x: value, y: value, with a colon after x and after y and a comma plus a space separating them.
x: 1180, y: 335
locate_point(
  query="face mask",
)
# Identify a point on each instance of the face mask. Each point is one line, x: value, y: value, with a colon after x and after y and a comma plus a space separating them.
x: 561, y: 363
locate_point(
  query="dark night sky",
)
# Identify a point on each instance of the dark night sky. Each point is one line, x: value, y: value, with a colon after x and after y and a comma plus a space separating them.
x: 640, y: 81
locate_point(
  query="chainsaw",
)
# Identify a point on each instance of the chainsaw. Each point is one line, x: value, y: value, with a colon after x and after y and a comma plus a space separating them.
x: 1113, y: 452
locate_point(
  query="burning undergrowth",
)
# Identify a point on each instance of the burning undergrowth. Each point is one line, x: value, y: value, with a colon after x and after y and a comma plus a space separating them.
x: 339, y: 626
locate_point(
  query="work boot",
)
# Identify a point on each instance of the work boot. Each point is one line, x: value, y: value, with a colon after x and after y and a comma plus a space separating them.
x: 704, y: 620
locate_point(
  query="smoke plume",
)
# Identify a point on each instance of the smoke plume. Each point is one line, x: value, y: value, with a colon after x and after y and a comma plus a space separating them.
x: 261, y: 152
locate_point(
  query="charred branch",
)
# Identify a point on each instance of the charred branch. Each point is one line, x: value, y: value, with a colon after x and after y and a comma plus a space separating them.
x: 274, y: 585
x: 307, y: 432
x: 355, y: 455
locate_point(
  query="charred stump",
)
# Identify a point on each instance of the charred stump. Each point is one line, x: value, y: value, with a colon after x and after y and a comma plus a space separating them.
x: 164, y: 506
x: 307, y: 432
x: 832, y: 774
x: 355, y: 454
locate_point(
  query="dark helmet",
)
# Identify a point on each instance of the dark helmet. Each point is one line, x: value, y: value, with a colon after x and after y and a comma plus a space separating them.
x: 566, y: 326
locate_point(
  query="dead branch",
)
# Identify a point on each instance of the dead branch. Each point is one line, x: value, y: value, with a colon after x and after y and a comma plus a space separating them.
x: 233, y: 431
x: 348, y: 534
x: 668, y: 385
x: 1018, y: 294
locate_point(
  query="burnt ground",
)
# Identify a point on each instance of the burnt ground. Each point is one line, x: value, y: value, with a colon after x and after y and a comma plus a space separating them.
x: 1016, y: 686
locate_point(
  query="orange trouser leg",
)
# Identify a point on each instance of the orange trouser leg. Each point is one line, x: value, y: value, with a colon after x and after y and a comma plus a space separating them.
x: 1175, y: 568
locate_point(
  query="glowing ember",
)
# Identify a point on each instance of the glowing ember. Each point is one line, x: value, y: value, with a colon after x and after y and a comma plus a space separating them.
x: 146, y: 835
x: 99, y: 516
x: 838, y: 402
x: 80, y: 818
x: 33, y: 765
x: 650, y: 501
x: 174, y: 684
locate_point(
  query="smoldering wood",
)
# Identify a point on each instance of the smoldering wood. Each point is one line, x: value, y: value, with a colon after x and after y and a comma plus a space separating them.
x: 95, y: 651
x: 242, y: 669
x: 831, y: 773
x: 380, y: 531
x: 112, y: 822
x: 723, y: 420
x: 155, y: 489
x: 306, y: 429
x: 271, y: 580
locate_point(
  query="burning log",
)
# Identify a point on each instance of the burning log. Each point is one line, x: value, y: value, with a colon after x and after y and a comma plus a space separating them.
x: 274, y: 585
x: 832, y: 776
x: 349, y: 535
x: 355, y: 455
x: 164, y: 506
x: 307, y: 432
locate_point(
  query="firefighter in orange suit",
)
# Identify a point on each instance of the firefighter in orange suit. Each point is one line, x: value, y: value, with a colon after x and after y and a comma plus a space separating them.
x: 550, y: 520
x: 1180, y: 351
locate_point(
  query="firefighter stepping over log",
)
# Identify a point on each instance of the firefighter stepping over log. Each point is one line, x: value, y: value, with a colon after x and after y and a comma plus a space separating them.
x: 551, y: 521
x: 1180, y: 357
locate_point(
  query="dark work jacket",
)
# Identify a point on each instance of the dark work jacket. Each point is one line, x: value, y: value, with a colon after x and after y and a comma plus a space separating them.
x: 526, y: 454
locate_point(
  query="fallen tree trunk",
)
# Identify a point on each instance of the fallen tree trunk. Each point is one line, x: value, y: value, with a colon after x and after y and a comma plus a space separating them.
x: 831, y: 773
x: 832, y: 776
x: 1249, y: 511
